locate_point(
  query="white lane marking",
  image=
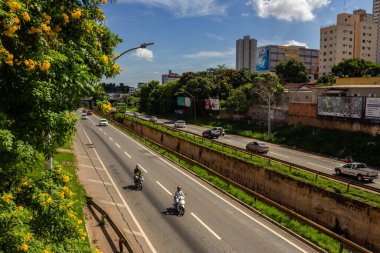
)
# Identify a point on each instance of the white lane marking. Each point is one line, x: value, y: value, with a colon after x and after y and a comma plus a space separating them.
x: 97, y: 181
x: 117, y: 145
x: 123, y: 200
x: 127, y: 154
x: 143, y: 168
x: 101, y: 130
x: 279, y: 154
x: 111, y: 203
x: 320, y: 166
x: 163, y: 187
x: 105, y: 133
x: 216, y: 195
x: 91, y: 167
x: 207, y: 227
x: 110, y: 138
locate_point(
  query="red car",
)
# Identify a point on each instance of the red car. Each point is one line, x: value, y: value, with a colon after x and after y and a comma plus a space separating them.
x: 89, y: 112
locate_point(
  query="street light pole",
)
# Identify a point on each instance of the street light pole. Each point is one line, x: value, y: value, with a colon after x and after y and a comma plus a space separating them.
x: 195, y: 110
x: 143, y: 45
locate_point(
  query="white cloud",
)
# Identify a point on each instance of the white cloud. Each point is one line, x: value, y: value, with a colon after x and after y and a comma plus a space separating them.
x: 144, y: 53
x: 299, y: 10
x: 245, y: 14
x: 295, y: 43
x: 210, y: 54
x: 185, y: 8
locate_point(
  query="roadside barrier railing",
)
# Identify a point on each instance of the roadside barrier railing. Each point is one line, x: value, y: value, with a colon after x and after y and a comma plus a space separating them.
x: 122, y: 239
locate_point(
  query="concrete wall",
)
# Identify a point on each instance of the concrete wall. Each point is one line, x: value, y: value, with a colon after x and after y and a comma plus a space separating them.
x: 357, y: 81
x: 359, y: 222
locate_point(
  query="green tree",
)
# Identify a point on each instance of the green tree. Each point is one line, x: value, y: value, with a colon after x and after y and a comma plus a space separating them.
x: 268, y: 87
x: 355, y: 67
x: 292, y: 71
x: 326, y: 80
x: 147, y: 102
x: 240, y: 99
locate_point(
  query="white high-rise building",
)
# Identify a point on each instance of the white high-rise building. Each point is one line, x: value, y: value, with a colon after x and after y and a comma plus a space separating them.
x: 246, y: 53
x: 354, y: 36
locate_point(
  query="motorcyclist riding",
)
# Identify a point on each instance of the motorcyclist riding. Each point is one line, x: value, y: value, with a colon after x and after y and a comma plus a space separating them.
x: 177, y: 194
x: 137, y: 173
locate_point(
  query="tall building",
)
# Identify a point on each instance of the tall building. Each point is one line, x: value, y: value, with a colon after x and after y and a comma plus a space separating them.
x: 376, y: 16
x: 269, y: 56
x: 246, y: 53
x: 170, y: 77
x: 353, y: 36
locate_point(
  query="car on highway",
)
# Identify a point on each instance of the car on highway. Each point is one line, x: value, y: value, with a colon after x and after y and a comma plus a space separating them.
x: 211, y: 134
x: 258, y: 147
x: 84, y: 116
x: 136, y: 114
x: 89, y: 112
x: 153, y: 119
x: 219, y: 129
x: 180, y: 124
x: 358, y: 170
x: 103, y: 122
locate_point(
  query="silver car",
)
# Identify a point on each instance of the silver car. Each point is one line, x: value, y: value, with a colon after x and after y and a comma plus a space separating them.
x: 103, y: 122
x: 180, y: 124
x: 257, y: 146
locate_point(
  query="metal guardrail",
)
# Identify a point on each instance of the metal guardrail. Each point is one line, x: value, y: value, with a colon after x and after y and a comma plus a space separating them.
x: 286, y: 210
x: 122, y: 240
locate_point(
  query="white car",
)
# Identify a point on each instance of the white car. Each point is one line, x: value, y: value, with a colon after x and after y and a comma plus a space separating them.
x: 84, y: 116
x: 103, y: 122
x: 180, y: 124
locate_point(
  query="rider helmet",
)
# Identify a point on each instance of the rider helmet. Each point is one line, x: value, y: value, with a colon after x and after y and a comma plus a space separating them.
x: 179, y: 188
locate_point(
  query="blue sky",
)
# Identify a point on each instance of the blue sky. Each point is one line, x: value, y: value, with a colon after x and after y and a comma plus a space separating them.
x: 193, y: 35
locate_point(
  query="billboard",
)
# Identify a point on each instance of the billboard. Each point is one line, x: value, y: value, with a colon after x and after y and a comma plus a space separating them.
x: 212, y: 104
x: 345, y: 107
x: 372, y: 108
x: 184, y: 101
x: 262, y: 59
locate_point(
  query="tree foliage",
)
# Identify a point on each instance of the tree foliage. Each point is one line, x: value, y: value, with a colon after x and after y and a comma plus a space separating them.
x: 292, y: 71
x: 52, y: 53
x: 355, y: 67
x: 326, y: 80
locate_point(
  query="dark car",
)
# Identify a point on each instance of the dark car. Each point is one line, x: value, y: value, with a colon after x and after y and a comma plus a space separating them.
x: 211, y: 134
x: 89, y: 112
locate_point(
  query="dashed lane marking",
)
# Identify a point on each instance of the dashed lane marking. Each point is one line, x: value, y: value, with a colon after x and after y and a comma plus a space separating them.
x: 163, y: 187
x: 207, y: 227
x: 127, y: 154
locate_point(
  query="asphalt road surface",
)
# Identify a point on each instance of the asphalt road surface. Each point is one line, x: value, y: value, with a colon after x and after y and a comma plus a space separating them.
x: 213, y: 222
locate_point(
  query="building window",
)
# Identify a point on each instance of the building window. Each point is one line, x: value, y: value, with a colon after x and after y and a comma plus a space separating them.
x: 350, y: 32
x: 350, y: 39
x: 349, y: 53
x: 363, y: 34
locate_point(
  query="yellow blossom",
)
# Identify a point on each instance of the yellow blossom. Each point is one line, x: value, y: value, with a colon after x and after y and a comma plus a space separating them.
x: 45, y: 65
x: 76, y: 14
x: 25, y: 16
x: 14, y: 6
x: 19, y: 190
x: 65, y: 188
x: 16, y: 20
x: 116, y: 67
x: 62, y: 8
x: 9, y: 59
x: 104, y: 1
x: 97, y: 251
x: 34, y: 30
x: 70, y: 204
x: 30, y: 64
x: 24, y: 247
x: 65, y: 18
x: 45, y: 27
x: 49, y: 200
x: 98, y: 43
x: 71, y: 214
x: 11, y: 30
x: 24, y: 181
x: 70, y: 194
x: 105, y: 58
x: 27, y: 237
x: 46, y: 17
x: 79, y: 222
x: 100, y: 14
x: 20, y: 208
x: 61, y: 195
x: 66, y: 179
x: 57, y: 28
x: 7, y: 197
x: 47, y: 251
x: 43, y: 194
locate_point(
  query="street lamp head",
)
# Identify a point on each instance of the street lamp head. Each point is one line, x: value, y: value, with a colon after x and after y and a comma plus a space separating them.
x: 145, y: 44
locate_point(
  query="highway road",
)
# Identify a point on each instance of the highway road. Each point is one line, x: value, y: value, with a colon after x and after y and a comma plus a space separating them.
x: 213, y: 222
x: 312, y: 161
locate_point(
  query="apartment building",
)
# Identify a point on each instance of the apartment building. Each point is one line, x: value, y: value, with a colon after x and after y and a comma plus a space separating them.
x: 170, y: 77
x: 246, y: 53
x: 376, y: 13
x: 269, y: 56
x: 353, y: 36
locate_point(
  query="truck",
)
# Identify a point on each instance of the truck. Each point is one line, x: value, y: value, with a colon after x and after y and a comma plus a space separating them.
x: 358, y: 170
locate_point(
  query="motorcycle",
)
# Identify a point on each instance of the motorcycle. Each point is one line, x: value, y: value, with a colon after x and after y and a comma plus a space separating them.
x: 180, y: 205
x: 138, y: 182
